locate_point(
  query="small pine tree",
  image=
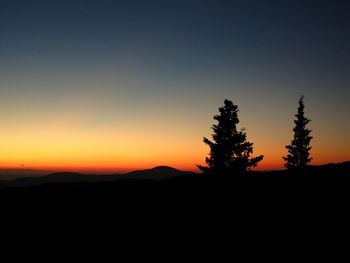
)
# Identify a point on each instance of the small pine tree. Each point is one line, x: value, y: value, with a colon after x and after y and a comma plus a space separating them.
x: 229, y: 151
x: 298, y: 150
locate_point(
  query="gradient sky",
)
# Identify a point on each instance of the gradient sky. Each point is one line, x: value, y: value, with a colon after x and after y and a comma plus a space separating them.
x: 123, y: 85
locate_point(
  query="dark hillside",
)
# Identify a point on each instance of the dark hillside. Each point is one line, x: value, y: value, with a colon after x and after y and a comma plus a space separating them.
x: 156, y: 173
x: 191, y: 217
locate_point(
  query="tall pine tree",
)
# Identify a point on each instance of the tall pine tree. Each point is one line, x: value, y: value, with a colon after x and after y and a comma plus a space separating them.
x: 229, y: 151
x: 299, y: 150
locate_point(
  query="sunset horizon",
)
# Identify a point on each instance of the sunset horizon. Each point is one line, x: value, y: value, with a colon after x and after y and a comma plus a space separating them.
x: 73, y: 149
x: 108, y: 85
x: 175, y: 130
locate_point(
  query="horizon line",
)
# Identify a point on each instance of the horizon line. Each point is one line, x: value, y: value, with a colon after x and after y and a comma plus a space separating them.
x: 85, y: 169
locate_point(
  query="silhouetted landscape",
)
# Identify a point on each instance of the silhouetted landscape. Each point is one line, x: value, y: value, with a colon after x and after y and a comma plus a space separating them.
x: 225, y: 213
x: 261, y: 215
x: 38, y: 177
x: 92, y: 89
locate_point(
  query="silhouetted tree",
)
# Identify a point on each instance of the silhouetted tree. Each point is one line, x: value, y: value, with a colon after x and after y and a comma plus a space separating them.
x: 298, y: 150
x: 229, y: 151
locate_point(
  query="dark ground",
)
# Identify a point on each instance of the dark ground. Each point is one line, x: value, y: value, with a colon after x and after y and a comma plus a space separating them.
x: 271, y: 216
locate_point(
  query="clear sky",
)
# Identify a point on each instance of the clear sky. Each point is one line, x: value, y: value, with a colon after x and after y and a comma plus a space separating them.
x: 125, y: 85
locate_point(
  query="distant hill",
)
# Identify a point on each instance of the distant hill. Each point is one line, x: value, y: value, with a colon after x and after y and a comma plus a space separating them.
x: 10, y: 174
x: 345, y: 164
x: 271, y: 216
x: 156, y: 173
x: 37, y: 177
x: 342, y: 168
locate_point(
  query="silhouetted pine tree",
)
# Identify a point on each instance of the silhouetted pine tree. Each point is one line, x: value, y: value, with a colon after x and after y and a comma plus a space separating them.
x: 298, y: 150
x: 229, y: 151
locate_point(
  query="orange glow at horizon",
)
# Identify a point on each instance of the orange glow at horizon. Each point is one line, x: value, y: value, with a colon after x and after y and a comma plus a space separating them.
x: 108, y: 153
x: 73, y: 149
x: 71, y: 140
x: 117, y: 88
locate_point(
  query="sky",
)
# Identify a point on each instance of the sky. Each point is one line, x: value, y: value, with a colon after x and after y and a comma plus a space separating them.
x: 123, y: 85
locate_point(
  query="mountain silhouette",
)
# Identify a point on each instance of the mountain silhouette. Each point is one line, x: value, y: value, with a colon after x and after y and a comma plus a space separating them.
x: 342, y: 168
x: 37, y: 177
x: 10, y: 174
x: 156, y: 173
x: 259, y: 216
